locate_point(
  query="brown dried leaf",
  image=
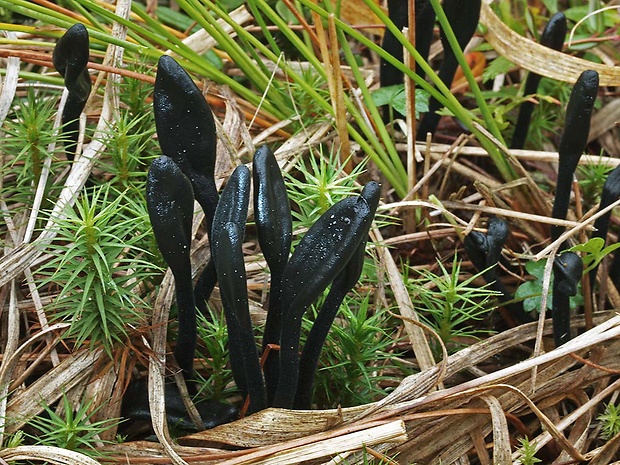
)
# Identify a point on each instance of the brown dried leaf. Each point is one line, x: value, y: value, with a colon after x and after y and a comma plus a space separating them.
x: 283, y: 425
x: 356, y: 13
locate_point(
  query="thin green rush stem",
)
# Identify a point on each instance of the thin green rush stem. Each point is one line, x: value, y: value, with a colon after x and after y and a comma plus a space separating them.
x: 379, y: 156
x: 204, y: 17
x: 258, y: 17
x: 374, y: 113
x: 111, y: 16
x: 471, y: 80
x: 162, y: 37
x: 48, y: 16
x: 84, y: 12
x: 312, y: 59
x: 442, y: 93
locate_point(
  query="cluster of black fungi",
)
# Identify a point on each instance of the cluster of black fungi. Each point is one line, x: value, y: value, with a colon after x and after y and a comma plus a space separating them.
x: 331, y: 252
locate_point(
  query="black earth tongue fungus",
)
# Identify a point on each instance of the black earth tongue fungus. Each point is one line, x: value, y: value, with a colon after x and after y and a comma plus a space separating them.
x: 186, y: 133
x: 610, y: 194
x: 170, y: 203
x: 552, y: 37
x: 186, y: 130
x: 70, y: 58
x: 484, y: 251
x: 321, y: 255
x: 228, y: 258
x: 424, y: 23
x: 463, y: 16
x: 567, y: 268
x: 274, y: 225
x: 233, y: 290
x: 573, y: 142
x: 343, y: 283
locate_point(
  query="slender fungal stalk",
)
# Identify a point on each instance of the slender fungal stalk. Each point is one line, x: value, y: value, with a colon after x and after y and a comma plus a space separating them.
x: 463, y: 16
x: 226, y: 240
x: 234, y: 292
x: 552, y: 37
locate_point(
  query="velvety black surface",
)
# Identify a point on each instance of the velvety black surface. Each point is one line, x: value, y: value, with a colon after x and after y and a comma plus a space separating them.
x: 274, y: 226
x: 321, y: 255
x: 552, y: 37
x: 70, y: 58
x: 573, y: 141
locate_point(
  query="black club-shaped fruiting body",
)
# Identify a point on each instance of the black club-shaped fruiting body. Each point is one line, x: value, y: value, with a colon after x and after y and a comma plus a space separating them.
x: 424, y: 23
x: 170, y: 204
x: 572, y: 145
x: 70, y: 58
x: 186, y: 133
x: 226, y: 241
x: 343, y: 283
x: 274, y: 226
x: 321, y: 255
x: 484, y: 250
x: 567, y: 271
x: 573, y: 141
x: 610, y: 194
x: 186, y: 130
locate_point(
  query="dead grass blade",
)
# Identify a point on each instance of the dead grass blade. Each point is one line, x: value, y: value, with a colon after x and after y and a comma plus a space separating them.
x: 285, y: 425
x: 393, y: 432
x: 71, y: 372
x: 157, y: 367
x: 501, y: 436
x: 538, y: 58
x: 9, y: 86
x: 9, y: 362
x: 418, y: 340
x: 47, y: 454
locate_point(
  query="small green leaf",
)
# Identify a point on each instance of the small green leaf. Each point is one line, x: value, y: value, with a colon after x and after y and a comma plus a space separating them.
x: 593, y: 251
x: 536, y: 269
x: 594, y: 245
x: 530, y: 292
x: 395, y: 97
